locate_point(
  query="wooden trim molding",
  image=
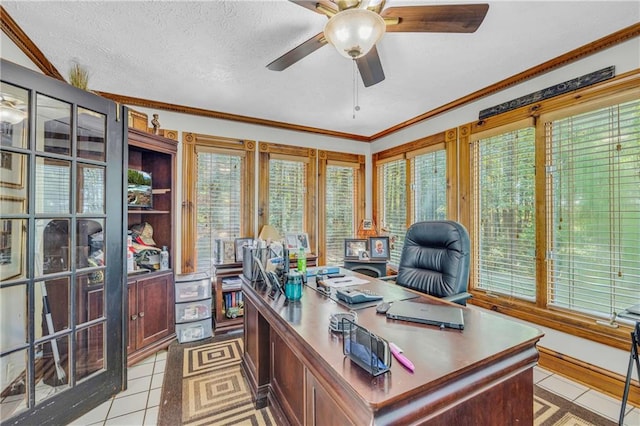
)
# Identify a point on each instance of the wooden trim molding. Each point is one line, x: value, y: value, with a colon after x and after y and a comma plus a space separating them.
x: 28, y: 47
x: 451, y: 147
x: 589, y: 375
x: 324, y: 158
x: 190, y: 144
x: 21, y: 40
x: 309, y: 156
x: 183, y: 109
x: 572, y: 56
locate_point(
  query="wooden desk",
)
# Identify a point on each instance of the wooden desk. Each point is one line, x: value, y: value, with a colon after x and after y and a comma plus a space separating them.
x: 482, y: 375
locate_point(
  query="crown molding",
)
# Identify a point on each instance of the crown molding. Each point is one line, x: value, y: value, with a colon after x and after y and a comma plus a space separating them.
x: 148, y: 103
x: 579, y: 53
x: 28, y: 47
x: 15, y: 33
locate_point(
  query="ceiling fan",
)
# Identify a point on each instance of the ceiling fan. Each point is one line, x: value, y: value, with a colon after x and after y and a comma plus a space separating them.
x: 355, y: 26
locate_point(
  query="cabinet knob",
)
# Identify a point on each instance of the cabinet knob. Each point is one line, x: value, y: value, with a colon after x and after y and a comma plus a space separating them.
x: 141, y: 314
x: 134, y: 317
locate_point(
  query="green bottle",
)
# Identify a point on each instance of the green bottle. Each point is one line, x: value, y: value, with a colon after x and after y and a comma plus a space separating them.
x: 302, y: 261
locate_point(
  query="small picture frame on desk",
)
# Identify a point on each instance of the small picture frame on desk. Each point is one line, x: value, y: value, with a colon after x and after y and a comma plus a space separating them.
x: 229, y: 251
x: 353, y: 247
x: 224, y: 251
x: 379, y: 248
x: 239, y: 245
x: 297, y: 240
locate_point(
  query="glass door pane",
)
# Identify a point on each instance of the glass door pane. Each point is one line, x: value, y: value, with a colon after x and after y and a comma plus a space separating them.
x: 61, y: 224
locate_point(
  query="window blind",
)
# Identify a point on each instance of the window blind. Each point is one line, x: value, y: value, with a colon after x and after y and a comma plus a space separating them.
x: 218, y: 202
x: 503, y: 187
x: 393, y: 203
x: 429, y: 186
x: 341, y: 184
x: 287, y: 195
x: 594, y: 219
x: 54, y: 179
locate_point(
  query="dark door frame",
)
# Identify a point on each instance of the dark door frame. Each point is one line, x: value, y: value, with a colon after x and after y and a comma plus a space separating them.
x: 81, y: 397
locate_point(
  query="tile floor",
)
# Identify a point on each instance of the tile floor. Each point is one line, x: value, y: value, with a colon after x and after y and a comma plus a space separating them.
x: 139, y: 404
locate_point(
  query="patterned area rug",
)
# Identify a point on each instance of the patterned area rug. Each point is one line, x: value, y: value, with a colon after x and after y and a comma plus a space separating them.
x: 550, y: 409
x: 204, y: 385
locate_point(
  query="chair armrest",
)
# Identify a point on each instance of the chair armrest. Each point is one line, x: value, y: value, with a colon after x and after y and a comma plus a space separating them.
x: 459, y: 298
x: 388, y: 278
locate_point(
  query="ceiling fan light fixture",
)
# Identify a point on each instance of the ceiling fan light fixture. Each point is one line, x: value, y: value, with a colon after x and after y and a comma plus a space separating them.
x: 9, y: 113
x: 354, y: 32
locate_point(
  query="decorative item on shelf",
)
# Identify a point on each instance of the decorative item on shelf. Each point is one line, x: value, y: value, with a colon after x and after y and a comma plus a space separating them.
x: 156, y: 124
x: 138, y: 120
x: 164, y: 259
x: 367, y: 229
x: 79, y: 76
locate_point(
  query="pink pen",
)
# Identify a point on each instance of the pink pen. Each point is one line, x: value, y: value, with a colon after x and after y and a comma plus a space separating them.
x: 397, y: 352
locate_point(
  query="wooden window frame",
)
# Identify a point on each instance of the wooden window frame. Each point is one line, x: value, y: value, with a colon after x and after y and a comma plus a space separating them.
x: 267, y: 151
x: 325, y: 158
x: 190, y: 144
x: 536, y: 312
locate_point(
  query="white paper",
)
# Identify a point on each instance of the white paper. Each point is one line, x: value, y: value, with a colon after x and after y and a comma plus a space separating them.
x: 343, y: 281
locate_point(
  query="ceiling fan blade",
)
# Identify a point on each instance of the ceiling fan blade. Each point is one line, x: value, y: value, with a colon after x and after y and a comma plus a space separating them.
x: 458, y: 18
x: 370, y: 68
x: 298, y: 52
x: 311, y: 5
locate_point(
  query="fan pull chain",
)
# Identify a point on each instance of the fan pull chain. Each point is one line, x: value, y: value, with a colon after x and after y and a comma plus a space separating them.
x: 356, y: 107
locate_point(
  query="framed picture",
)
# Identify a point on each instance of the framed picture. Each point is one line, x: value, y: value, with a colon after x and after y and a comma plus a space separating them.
x: 367, y: 225
x: 363, y: 255
x: 379, y: 247
x: 12, y: 239
x: 228, y: 251
x: 353, y: 248
x: 12, y: 170
x: 297, y: 240
x: 239, y: 244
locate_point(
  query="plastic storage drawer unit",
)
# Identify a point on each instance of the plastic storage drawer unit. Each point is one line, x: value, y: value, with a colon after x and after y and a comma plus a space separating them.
x: 193, y: 311
x: 193, y: 307
x: 190, y: 287
x: 192, y: 331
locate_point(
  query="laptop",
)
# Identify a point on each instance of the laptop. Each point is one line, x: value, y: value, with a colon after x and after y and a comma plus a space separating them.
x: 438, y: 315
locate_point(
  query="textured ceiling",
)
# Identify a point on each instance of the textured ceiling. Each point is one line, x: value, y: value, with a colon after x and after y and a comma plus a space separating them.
x: 212, y: 55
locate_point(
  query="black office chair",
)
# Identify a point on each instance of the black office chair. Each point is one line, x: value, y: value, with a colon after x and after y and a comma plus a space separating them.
x: 367, y: 270
x: 435, y: 260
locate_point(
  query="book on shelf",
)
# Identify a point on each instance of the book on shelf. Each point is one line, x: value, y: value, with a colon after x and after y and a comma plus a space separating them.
x: 233, y: 304
x: 229, y: 284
